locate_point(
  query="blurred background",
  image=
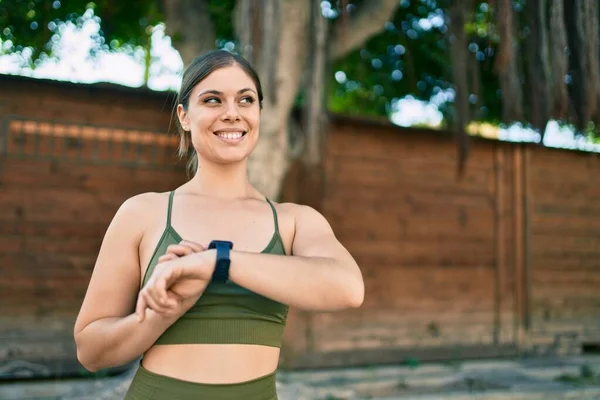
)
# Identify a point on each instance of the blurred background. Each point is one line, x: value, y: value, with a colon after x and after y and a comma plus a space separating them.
x: 452, y: 145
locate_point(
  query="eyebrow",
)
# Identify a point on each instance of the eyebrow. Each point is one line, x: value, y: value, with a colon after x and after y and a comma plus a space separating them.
x: 221, y: 93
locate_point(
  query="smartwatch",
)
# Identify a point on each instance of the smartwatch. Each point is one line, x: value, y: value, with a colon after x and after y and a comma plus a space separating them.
x: 221, y: 273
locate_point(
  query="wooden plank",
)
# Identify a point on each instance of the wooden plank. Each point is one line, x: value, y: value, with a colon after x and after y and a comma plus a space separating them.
x: 415, y: 180
x: 527, y: 195
x: 566, y: 243
x: 39, y: 262
x: 542, y: 278
x: 567, y: 224
x: 63, y: 245
x: 548, y: 162
x: 49, y: 174
x: 408, y: 168
x: 563, y: 208
x: 451, y: 287
x: 359, y: 143
x: 339, y: 196
x: 30, y: 128
x: 400, y: 223
x: 519, y: 248
x: 11, y: 244
x: 444, y: 252
x: 565, y: 261
x: 49, y: 229
x: 499, y: 243
x: 58, y: 205
x: 555, y: 188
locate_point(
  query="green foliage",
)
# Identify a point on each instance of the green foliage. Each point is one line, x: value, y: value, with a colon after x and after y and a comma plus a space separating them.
x: 409, y: 57
x: 221, y: 13
x: 403, y: 59
x: 36, y: 23
x: 125, y: 25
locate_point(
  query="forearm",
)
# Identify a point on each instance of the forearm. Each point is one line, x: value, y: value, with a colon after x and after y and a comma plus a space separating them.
x: 309, y: 283
x: 110, y: 342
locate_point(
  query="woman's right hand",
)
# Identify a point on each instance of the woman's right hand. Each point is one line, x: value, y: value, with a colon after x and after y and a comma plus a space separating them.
x: 184, y: 293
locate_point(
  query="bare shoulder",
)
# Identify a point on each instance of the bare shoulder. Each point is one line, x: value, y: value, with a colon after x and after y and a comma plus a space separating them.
x: 302, y: 213
x: 302, y: 218
x: 287, y: 211
x: 139, y: 211
x: 312, y: 233
x: 144, y: 203
x: 141, y: 202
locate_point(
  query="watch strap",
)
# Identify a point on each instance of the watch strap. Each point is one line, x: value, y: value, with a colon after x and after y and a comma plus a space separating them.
x: 221, y: 272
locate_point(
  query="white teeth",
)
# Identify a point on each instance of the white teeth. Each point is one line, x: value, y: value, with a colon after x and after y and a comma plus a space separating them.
x: 230, y: 135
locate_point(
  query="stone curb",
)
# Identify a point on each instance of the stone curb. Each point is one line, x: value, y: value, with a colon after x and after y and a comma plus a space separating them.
x: 590, y: 393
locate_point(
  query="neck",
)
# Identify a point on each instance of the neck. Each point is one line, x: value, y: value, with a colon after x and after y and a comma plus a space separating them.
x: 226, y: 181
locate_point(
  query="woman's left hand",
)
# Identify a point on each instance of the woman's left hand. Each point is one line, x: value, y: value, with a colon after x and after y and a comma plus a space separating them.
x: 178, y: 281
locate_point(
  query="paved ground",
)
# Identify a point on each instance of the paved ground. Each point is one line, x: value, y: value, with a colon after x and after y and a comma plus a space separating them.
x: 537, y: 379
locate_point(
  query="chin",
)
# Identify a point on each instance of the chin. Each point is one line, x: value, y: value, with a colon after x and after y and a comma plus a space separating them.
x: 231, y: 158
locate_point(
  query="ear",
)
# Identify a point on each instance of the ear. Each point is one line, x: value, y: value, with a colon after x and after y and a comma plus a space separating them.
x: 184, y: 120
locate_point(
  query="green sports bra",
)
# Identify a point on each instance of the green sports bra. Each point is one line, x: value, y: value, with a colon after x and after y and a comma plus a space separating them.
x: 225, y: 313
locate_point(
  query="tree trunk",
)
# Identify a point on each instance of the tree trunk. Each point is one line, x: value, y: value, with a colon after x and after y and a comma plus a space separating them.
x: 458, y: 55
x: 367, y: 21
x: 559, y: 61
x: 281, y: 52
x: 538, y: 65
x: 507, y: 64
x: 577, y: 27
x: 274, y: 36
x: 278, y: 50
x: 182, y: 21
x: 590, y: 13
x: 310, y: 180
x: 475, y: 74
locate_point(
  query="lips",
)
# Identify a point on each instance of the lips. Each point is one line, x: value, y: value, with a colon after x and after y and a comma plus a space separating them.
x: 230, y: 135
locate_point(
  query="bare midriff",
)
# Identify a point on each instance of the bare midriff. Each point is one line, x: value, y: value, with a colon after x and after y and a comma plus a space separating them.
x: 212, y: 363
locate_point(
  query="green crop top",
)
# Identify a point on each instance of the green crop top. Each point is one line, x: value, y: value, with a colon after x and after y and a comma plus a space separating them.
x: 225, y: 313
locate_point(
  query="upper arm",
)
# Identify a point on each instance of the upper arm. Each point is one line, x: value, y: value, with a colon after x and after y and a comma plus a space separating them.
x: 114, y: 283
x: 315, y: 238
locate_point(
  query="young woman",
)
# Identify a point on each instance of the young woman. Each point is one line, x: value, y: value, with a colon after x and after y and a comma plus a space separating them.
x: 218, y: 264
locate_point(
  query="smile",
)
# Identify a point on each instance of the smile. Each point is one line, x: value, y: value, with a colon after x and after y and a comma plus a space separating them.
x: 231, y: 137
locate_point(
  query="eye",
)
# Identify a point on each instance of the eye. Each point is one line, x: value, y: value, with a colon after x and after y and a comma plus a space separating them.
x: 247, y: 100
x: 211, y: 100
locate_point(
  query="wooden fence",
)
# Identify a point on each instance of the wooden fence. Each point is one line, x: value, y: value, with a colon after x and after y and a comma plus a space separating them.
x: 504, y: 261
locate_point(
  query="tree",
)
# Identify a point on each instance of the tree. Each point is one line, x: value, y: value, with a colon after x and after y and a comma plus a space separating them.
x: 290, y: 42
x: 499, y: 61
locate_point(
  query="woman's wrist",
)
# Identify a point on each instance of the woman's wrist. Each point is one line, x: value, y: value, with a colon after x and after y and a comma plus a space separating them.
x: 202, y: 264
x: 164, y: 320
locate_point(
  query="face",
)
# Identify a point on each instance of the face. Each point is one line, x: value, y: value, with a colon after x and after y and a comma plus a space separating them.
x: 223, y: 116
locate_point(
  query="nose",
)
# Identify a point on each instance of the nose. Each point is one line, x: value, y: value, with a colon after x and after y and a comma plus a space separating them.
x: 232, y: 113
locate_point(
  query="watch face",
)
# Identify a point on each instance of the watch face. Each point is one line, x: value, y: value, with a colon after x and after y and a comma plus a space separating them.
x: 215, y: 243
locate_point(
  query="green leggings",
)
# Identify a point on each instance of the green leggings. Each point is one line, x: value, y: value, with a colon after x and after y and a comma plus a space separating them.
x: 147, y: 385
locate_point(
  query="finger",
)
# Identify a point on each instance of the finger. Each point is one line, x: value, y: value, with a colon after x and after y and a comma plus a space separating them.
x: 157, y: 292
x: 152, y: 300
x: 154, y: 303
x: 179, y: 250
x: 166, y: 257
x: 166, y: 279
x: 196, y: 247
x: 140, y: 307
x: 160, y: 290
x: 172, y: 300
